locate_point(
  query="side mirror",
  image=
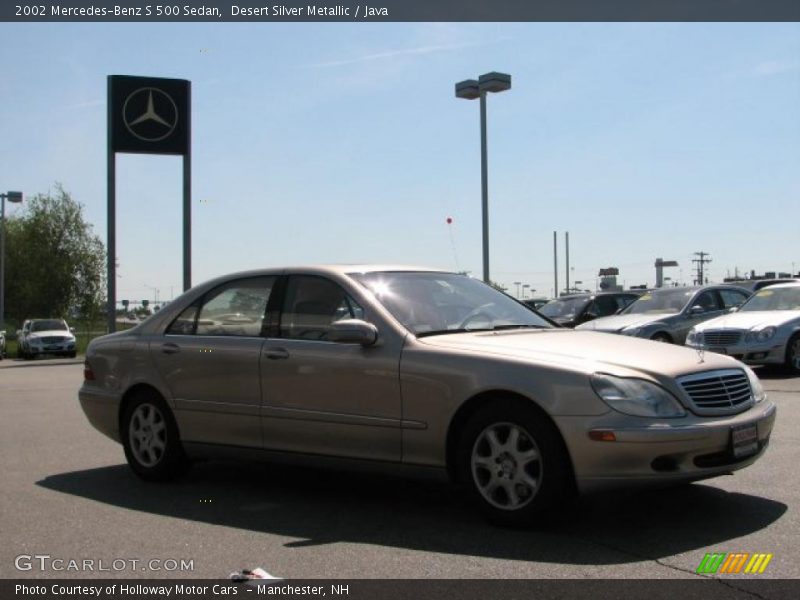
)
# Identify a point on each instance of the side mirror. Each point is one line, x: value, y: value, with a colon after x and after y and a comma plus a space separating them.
x: 589, y: 316
x: 696, y: 310
x: 353, y: 331
x: 72, y: 330
x: 733, y: 309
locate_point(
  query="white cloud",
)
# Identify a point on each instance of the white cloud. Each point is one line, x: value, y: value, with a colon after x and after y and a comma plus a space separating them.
x: 776, y: 67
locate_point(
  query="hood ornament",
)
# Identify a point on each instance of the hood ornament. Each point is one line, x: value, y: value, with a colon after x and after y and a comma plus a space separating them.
x: 701, y: 354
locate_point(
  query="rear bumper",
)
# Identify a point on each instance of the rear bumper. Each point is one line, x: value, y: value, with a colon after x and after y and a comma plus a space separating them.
x: 663, y: 453
x: 101, y: 407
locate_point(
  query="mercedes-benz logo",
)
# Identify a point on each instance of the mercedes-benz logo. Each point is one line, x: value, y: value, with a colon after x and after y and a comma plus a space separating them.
x: 150, y: 114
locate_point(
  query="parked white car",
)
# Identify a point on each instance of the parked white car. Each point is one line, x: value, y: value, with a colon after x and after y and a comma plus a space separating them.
x: 2, y: 345
x: 45, y: 336
x: 764, y: 330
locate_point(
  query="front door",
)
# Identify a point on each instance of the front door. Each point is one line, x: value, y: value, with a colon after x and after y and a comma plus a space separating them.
x: 322, y: 397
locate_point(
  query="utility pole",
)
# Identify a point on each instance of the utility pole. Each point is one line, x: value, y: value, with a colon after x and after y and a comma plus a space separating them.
x: 555, y: 264
x: 705, y: 257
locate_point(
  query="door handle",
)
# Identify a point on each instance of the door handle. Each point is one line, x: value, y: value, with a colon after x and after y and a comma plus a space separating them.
x: 170, y: 348
x: 276, y: 353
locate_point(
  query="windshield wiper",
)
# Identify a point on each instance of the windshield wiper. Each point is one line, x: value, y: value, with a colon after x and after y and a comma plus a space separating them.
x: 474, y: 329
x: 530, y: 326
x: 446, y: 331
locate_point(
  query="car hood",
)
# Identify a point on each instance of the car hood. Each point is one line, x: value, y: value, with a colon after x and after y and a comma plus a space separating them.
x: 51, y: 333
x: 585, y: 351
x: 619, y: 322
x: 751, y: 320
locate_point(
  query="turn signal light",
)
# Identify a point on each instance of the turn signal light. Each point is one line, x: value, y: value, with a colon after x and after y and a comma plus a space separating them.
x: 602, y: 436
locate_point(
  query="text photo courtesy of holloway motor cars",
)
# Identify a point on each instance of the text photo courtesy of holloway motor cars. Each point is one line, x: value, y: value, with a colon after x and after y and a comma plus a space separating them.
x: 277, y: 304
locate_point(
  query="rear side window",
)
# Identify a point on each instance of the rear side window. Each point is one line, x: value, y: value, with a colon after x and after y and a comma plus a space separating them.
x: 731, y: 298
x: 233, y: 309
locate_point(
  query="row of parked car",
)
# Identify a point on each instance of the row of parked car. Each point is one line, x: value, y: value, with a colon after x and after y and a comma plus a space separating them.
x: 756, y: 328
x: 38, y: 337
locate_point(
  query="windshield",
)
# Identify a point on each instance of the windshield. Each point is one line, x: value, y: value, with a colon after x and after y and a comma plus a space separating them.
x: 566, y: 308
x: 774, y: 299
x: 49, y: 325
x: 435, y: 303
x: 660, y: 301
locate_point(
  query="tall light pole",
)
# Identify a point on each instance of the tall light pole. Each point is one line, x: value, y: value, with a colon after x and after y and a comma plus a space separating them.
x: 15, y: 197
x: 517, y: 283
x: 525, y: 287
x: 471, y: 89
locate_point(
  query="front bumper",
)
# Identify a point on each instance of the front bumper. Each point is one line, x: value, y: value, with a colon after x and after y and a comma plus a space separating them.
x: 58, y: 348
x: 670, y: 451
x: 772, y: 352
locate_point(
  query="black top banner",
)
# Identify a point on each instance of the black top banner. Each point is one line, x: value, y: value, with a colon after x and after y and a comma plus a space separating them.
x: 149, y: 115
x: 400, y: 10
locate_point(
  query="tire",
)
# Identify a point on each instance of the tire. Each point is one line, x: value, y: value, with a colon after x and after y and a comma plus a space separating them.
x: 72, y: 354
x: 515, y: 462
x: 793, y: 355
x: 150, y: 437
x: 661, y: 337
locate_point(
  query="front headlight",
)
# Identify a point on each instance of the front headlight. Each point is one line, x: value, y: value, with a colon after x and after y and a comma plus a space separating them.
x: 760, y: 335
x: 695, y: 338
x: 636, y: 397
x: 755, y: 385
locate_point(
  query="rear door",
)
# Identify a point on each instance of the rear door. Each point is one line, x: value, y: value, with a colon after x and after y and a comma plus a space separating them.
x: 209, y: 359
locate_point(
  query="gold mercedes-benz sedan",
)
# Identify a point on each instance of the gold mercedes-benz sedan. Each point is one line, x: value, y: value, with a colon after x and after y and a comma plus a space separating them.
x: 417, y: 368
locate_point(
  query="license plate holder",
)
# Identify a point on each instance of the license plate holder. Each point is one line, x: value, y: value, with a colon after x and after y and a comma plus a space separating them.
x: 744, y: 440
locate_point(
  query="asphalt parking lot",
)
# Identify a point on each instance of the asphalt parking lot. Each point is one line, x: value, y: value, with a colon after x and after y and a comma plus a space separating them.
x: 68, y: 494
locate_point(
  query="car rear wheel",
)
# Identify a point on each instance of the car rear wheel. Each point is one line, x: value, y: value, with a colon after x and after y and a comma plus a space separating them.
x: 793, y: 355
x: 151, y: 441
x: 515, y: 462
x: 662, y: 337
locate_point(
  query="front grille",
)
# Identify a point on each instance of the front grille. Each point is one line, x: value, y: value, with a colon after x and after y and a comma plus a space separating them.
x: 721, y: 337
x: 57, y: 339
x: 723, y: 392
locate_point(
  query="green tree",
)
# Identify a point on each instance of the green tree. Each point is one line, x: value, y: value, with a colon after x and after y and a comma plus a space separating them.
x: 55, y: 264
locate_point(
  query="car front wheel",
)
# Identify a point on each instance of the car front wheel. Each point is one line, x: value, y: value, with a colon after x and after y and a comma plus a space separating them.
x: 150, y: 438
x: 515, y: 462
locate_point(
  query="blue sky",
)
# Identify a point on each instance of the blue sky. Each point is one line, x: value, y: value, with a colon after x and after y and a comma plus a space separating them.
x: 343, y: 142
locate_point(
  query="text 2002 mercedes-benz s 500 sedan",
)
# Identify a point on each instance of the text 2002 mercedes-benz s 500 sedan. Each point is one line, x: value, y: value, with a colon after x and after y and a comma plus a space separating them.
x: 419, y: 367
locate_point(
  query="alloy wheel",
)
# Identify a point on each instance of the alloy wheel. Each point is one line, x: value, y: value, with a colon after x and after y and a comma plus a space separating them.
x: 506, y: 466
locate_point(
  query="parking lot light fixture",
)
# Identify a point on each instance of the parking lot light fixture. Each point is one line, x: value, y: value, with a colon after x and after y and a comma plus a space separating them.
x: 15, y: 197
x: 471, y: 89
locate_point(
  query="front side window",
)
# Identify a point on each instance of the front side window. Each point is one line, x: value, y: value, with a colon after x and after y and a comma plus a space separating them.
x: 233, y: 309
x: 707, y: 302
x: 311, y: 306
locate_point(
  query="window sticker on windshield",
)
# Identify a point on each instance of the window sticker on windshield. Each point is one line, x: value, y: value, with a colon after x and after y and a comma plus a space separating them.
x: 765, y: 293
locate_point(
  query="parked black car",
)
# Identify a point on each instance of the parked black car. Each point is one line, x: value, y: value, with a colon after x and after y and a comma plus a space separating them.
x: 572, y: 310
